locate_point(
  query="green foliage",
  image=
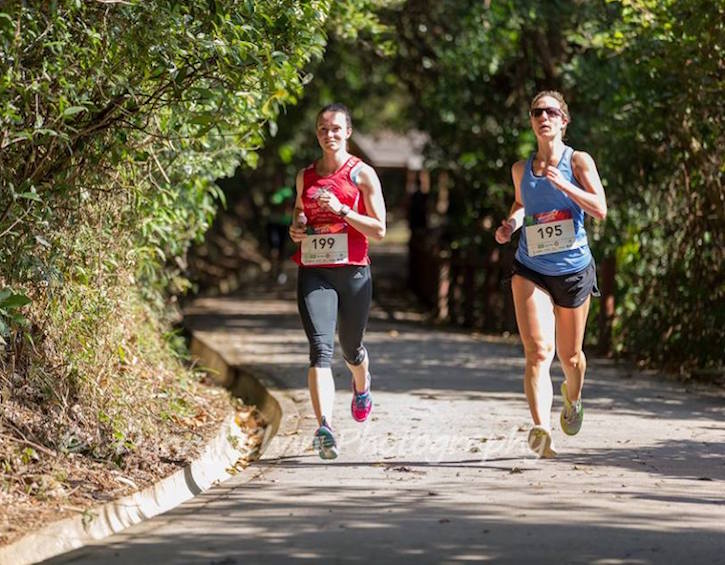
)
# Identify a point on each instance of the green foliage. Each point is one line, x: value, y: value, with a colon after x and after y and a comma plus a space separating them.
x: 643, y: 81
x: 10, y: 305
x: 658, y: 74
x: 354, y: 71
x: 112, y: 139
x: 115, y: 121
x: 472, y: 68
x: 95, y: 107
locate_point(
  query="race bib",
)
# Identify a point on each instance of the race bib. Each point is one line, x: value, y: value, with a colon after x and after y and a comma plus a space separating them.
x: 325, y: 249
x: 550, y: 232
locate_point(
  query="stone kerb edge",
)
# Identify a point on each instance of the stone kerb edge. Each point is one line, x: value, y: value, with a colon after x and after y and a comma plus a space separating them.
x: 219, y: 455
x: 257, y: 388
x: 113, y: 517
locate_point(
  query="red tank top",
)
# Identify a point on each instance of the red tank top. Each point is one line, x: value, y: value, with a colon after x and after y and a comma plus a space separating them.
x: 321, y: 221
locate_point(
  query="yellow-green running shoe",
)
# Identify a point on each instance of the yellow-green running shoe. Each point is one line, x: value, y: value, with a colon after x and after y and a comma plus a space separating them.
x: 541, y: 443
x: 572, y: 414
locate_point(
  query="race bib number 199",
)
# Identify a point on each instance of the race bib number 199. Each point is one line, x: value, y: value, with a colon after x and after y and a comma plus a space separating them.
x: 550, y: 232
x: 325, y: 249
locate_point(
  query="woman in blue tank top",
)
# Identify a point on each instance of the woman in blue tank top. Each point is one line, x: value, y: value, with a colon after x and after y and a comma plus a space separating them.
x: 553, y: 274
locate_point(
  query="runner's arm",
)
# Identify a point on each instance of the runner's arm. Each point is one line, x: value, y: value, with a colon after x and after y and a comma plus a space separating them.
x: 298, y: 233
x: 515, y: 218
x: 373, y: 223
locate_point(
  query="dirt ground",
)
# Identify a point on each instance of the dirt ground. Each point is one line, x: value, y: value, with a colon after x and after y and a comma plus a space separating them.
x: 51, y: 485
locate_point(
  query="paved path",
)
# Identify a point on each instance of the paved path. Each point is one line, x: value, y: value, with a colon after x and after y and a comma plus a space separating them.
x: 441, y: 472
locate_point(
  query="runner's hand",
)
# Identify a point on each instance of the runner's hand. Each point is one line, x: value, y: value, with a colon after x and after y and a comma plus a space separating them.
x: 330, y: 202
x: 504, y: 231
x: 297, y: 233
x: 555, y: 177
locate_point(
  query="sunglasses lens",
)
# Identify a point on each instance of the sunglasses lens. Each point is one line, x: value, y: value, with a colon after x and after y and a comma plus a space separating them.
x: 553, y: 112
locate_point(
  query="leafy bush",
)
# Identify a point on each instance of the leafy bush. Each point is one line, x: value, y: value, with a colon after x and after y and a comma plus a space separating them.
x: 659, y: 82
x: 115, y: 121
x: 10, y: 305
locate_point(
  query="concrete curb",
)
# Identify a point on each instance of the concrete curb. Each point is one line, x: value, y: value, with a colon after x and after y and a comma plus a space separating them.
x: 113, y: 517
x: 219, y: 455
x: 260, y: 389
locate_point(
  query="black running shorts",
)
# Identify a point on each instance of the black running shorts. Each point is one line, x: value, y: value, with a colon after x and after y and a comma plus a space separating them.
x: 568, y: 291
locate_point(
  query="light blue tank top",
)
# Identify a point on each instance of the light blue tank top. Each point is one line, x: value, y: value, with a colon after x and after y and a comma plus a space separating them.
x: 541, y: 200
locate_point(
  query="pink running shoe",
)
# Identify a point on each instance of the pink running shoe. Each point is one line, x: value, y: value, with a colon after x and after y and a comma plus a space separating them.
x: 362, y: 402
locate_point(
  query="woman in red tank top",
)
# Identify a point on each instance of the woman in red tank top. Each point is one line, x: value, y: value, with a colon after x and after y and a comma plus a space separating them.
x: 351, y: 245
x: 339, y: 206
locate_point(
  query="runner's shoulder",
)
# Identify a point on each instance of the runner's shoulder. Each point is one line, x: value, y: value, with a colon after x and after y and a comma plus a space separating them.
x: 300, y: 176
x: 517, y: 169
x: 582, y: 159
x: 362, y: 173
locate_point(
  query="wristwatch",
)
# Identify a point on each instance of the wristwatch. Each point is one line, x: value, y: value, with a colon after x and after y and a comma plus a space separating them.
x: 345, y: 210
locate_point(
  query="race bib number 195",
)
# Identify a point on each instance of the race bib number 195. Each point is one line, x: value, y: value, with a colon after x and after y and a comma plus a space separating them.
x: 550, y: 232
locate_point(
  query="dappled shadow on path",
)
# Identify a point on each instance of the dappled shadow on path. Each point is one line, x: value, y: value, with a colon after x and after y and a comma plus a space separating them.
x: 684, y: 460
x: 432, y: 367
x: 411, y: 357
x: 691, y: 460
x: 282, y: 523
x: 639, y: 434
x: 401, y: 465
x: 676, y: 459
x: 618, y: 493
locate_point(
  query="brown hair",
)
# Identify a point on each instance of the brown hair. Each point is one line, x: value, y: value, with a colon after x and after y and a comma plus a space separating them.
x: 559, y: 97
x: 336, y: 107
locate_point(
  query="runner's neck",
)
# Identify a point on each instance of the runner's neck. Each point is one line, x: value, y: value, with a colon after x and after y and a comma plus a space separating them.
x: 550, y: 153
x: 331, y: 163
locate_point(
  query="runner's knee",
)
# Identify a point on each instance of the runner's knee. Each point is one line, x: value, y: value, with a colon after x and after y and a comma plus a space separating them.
x: 570, y: 360
x: 320, y: 354
x: 539, y: 353
x: 354, y: 355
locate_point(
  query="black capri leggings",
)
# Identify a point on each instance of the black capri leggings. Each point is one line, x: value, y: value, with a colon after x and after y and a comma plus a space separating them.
x: 326, y: 294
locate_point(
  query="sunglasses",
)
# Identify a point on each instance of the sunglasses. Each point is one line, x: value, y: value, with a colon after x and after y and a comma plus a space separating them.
x: 551, y: 112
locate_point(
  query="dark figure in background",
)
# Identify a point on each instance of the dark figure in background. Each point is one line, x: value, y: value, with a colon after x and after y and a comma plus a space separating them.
x: 418, y: 209
x: 418, y: 224
x: 280, y: 218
